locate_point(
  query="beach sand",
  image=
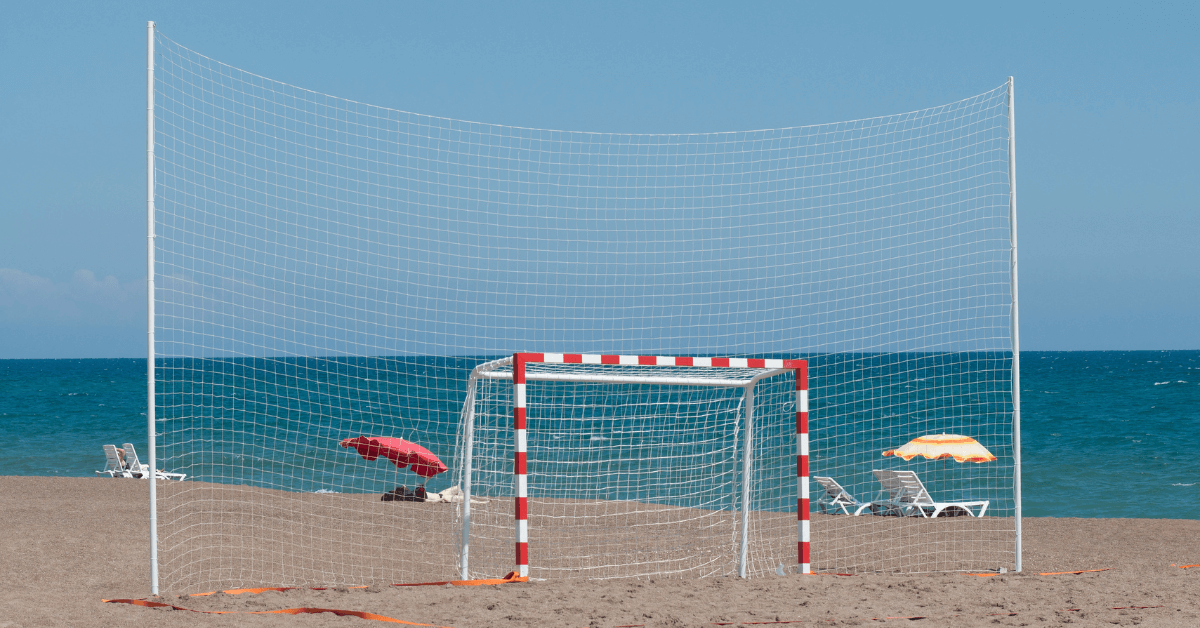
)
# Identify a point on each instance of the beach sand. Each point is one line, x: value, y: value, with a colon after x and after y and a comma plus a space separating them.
x: 70, y: 542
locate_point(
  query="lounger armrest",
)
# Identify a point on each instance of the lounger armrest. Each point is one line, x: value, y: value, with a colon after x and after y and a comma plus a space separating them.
x: 940, y: 507
x: 163, y: 475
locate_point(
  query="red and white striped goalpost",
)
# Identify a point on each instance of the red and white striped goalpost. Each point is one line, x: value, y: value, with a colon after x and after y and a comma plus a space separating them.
x: 519, y: 467
x: 802, y: 466
x: 520, y: 459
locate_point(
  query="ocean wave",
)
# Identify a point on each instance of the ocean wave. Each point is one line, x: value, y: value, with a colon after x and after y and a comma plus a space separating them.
x: 1181, y: 484
x: 1161, y: 383
x: 325, y: 490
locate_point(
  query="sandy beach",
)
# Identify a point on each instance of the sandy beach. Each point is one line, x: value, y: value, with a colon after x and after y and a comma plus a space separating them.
x: 71, y: 542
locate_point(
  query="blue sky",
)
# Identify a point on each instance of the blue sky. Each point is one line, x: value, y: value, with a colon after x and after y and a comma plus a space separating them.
x: 1106, y: 125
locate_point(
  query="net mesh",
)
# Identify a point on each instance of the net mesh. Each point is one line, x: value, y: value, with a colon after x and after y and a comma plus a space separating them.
x: 327, y: 269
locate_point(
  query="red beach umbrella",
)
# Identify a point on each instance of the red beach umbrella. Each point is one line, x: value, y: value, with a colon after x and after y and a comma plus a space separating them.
x: 401, y: 452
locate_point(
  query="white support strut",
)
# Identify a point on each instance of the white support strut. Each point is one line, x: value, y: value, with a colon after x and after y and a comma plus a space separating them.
x: 468, y: 454
x: 747, y: 468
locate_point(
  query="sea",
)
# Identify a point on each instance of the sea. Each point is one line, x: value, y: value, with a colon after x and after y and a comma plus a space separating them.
x: 1103, y: 433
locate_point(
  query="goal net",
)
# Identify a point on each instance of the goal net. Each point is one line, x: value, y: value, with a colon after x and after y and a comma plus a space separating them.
x: 325, y: 270
x: 631, y: 466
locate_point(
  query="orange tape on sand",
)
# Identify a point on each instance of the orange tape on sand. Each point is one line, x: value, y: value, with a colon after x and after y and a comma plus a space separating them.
x: 512, y: 577
x: 1048, y: 573
x: 1189, y: 566
x: 261, y: 590
x: 282, y: 611
x: 751, y: 623
x: 1114, y: 608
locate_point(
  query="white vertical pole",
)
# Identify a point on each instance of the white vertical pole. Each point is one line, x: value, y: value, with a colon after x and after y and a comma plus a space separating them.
x: 153, y: 482
x: 467, y: 465
x: 747, y: 457
x: 1016, y: 336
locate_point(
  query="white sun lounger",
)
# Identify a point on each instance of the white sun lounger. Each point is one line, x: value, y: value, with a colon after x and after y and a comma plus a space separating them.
x: 132, y: 463
x: 140, y: 470
x: 835, y: 496
x: 903, y: 494
x: 114, y: 465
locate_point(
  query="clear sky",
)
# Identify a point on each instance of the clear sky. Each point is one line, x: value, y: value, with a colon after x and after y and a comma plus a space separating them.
x: 1107, y: 125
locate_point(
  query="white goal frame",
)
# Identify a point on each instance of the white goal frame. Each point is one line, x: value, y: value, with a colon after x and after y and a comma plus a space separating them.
x: 761, y: 369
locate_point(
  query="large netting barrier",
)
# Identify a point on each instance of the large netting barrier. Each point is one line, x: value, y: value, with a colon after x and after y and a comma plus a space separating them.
x: 327, y: 269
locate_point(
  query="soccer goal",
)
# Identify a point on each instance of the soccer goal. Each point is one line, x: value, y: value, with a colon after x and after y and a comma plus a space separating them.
x: 634, y: 466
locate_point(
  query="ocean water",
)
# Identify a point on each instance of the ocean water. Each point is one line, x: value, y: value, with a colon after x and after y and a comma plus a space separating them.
x: 1111, y: 433
x: 1104, y: 434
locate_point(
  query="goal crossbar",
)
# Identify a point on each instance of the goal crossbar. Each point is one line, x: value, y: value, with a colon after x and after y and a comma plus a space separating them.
x: 730, y: 372
x: 668, y: 370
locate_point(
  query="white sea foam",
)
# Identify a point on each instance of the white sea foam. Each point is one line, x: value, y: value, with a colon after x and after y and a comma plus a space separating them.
x: 325, y: 490
x: 1161, y: 383
x: 595, y: 438
x: 1181, y: 484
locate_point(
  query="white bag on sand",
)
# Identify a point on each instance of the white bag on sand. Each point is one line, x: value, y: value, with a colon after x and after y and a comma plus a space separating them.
x: 452, y: 495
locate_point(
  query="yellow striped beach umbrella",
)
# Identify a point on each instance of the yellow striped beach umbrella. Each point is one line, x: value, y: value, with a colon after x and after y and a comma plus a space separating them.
x: 935, y: 446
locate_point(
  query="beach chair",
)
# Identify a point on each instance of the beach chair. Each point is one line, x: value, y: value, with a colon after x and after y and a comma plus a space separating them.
x: 835, y: 496
x: 904, y: 495
x: 114, y: 464
x: 139, y: 470
x: 132, y: 463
